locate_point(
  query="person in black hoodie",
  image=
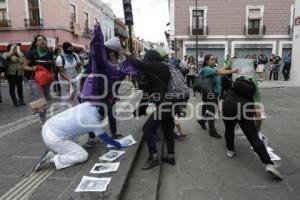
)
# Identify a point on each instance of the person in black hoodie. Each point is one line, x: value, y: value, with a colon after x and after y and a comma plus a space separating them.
x: 154, y: 65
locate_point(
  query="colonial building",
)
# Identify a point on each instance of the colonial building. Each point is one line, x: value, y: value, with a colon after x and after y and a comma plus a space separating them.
x: 58, y: 20
x: 232, y: 26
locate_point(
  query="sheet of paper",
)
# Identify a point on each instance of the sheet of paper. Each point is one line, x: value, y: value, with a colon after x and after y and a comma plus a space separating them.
x: 93, y: 184
x: 101, y: 168
x: 273, y: 156
x: 128, y: 139
x: 111, y: 155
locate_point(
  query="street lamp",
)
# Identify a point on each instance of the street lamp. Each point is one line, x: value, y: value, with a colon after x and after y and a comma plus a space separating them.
x: 197, y: 27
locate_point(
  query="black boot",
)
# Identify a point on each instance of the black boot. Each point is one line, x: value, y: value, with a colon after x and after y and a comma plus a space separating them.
x: 150, y: 163
x: 117, y: 135
x: 22, y: 103
x: 16, y: 104
x: 214, y: 133
x: 168, y: 159
x: 202, y: 124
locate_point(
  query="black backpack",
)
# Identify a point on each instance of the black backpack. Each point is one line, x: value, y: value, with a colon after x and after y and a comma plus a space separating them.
x: 243, y: 87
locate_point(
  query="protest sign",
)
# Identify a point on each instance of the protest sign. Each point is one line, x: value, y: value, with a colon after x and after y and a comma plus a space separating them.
x: 111, y: 155
x: 245, y: 66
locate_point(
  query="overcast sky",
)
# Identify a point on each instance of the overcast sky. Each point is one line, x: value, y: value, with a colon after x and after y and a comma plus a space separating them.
x: 150, y: 17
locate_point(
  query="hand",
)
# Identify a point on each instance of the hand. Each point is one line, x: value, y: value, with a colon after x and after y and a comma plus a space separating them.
x: 236, y: 70
x: 2, y: 75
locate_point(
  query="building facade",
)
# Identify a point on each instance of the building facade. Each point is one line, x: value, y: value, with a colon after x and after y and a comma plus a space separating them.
x: 227, y: 27
x: 58, y: 20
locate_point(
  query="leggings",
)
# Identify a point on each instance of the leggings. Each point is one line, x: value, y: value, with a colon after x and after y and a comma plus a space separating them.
x: 247, y: 124
x: 190, y: 80
x: 209, y: 109
x: 13, y: 82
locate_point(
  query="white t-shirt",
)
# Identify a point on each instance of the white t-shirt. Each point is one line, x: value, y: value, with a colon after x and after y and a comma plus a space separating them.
x: 70, y: 65
x: 76, y: 121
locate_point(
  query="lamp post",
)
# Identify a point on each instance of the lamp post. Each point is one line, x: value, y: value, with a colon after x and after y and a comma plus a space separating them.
x: 197, y: 27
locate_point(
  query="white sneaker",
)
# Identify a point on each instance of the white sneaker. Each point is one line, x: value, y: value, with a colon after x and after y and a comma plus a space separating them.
x: 273, y: 172
x: 230, y: 154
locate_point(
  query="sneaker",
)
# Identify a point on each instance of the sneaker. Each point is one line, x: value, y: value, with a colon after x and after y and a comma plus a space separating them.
x: 214, y: 133
x: 230, y: 154
x: 169, y: 160
x: 271, y: 170
x: 90, y: 143
x: 150, y: 163
x: 202, y: 124
x: 22, y: 103
x: 45, y: 161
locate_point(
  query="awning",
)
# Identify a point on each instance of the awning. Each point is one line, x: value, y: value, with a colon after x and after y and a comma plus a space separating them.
x: 255, y: 14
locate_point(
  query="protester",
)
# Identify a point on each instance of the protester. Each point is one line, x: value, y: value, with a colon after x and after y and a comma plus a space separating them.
x: 57, y: 89
x: 14, y: 60
x: 68, y: 64
x: 60, y: 132
x: 274, y: 66
x: 210, y: 101
x: 243, y: 99
x: 254, y: 58
x: 262, y: 61
x: 38, y: 55
x: 287, y: 65
x: 101, y: 60
x: 191, y: 66
x: 154, y: 65
x: 200, y: 60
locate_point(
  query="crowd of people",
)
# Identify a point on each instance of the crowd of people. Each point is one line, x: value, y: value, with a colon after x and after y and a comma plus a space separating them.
x: 165, y: 81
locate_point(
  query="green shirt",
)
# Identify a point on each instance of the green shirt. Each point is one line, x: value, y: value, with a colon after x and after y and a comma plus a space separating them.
x: 208, y: 71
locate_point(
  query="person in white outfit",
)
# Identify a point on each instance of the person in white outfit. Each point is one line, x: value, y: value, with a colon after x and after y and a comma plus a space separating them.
x: 60, y: 132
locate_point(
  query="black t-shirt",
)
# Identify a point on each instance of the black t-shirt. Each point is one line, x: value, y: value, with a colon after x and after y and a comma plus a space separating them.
x: 47, y: 61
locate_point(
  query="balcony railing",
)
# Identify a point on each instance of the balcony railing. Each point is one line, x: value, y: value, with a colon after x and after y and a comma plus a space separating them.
x: 255, y: 31
x: 290, y: 30
x: 33, y: 22
x: 5, y: 24
x: 202, y: 30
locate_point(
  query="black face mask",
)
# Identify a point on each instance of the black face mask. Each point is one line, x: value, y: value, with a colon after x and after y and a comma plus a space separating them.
x: 68, y: 51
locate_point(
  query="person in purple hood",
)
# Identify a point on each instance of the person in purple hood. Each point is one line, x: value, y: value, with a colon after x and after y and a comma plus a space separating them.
x: 105, y: 72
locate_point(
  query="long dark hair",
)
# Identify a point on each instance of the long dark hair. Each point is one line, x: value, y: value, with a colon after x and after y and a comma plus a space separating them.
x: 206, y: 59
x: 33, y: 44
x: 193, y: 60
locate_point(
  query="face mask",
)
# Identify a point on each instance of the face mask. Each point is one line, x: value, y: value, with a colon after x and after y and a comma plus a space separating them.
x: 68, y: 51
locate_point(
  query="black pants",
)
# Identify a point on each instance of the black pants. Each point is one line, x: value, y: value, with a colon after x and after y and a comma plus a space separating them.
x: 190, y: 80
x: 247, y: 124
x: 13, y: 82
x: 286, y: 71
x: 167, y: 123
x: 209, y: 109
x: 274, y: 72
x: 111, y: 117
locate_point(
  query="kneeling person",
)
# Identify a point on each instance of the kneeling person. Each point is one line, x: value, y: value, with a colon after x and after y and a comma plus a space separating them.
x: 60, y: 132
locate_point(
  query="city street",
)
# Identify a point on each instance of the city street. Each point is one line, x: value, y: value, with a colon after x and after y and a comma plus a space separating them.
x: 202, y: 172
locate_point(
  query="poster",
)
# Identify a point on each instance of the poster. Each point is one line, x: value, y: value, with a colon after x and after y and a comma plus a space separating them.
x: 93, y: 184
x: 111, y: 155
x: 129, y: 140
x: 101, y: 168
x: 245, y: 66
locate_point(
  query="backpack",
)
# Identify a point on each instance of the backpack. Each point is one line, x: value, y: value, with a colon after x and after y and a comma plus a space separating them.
x: 177, y: 89
x: 63, y: 59
x: 243, y: 87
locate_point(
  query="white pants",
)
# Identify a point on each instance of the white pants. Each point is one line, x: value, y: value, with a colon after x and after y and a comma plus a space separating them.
x: 67, y: 152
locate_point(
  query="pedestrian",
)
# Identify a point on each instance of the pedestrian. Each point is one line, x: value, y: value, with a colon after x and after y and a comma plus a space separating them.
x: 103, y: 61
x: 56, y: 87
x: 274, y: 66
x: 254, y: 58
x: 68, y: 64
x: 262, y: 61
x: 183, y: 66
x: 60, y: 132
x: 38, y: 55
x: 14, y: 60
x: 190, y: 77
x: 200, y: 60
x: 154, y: 64
x: 172, y: 59
x: 241, y: 107
x: 287, y: 60
x: 210, y: 101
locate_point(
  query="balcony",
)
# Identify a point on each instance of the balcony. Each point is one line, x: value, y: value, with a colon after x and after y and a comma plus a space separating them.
x: 33, y: 23
x: 202, y: 30
x: 255, y: 31
x: 5, y: 24
x: 290, y: 30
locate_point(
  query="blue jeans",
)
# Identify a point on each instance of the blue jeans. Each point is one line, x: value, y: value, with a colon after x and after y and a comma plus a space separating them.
x: 37, y: 93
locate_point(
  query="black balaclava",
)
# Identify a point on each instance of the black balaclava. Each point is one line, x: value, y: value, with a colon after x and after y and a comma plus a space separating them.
x: 66, y: 46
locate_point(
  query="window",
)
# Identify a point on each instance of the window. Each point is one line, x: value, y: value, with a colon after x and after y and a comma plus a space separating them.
x: 86, y: 22
x: 254, y: 23
x: 34, y: 13
x: 3, y: 14
x: 198, y: 22
x: 73, y: 13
